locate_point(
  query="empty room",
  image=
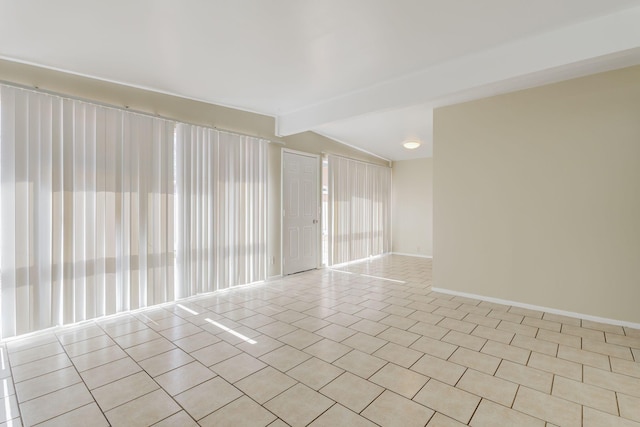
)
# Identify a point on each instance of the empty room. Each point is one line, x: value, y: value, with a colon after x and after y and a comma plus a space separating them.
x: 320, y: 213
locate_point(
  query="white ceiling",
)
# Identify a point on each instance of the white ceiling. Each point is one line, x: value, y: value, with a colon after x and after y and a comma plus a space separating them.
x: 365, y: 72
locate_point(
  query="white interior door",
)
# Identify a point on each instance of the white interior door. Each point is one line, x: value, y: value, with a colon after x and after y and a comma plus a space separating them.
x: 300, y: 222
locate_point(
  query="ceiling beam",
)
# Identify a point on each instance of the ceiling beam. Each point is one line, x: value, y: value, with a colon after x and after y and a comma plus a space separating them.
x: 551, y: 56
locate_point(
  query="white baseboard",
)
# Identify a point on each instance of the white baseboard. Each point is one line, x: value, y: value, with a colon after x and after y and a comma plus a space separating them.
x: 539, y: 308
x: 413, y: 255
x: 274, y: 277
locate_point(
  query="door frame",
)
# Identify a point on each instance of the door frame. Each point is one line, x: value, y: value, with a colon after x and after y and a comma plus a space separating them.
x: 318, y: 158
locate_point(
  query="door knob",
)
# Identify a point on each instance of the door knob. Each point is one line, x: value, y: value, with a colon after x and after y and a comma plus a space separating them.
x: 315, y: 221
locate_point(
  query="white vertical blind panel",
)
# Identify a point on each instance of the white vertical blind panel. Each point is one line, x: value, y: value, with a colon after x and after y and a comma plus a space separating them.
x: 86, y: 201
x: 222, y: 183
x: 358, y: 209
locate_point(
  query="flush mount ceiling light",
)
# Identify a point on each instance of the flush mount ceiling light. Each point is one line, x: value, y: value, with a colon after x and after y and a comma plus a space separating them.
x: 411, y: 145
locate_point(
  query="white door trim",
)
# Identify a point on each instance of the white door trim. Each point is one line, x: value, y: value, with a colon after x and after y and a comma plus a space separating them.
x: 318, y: 158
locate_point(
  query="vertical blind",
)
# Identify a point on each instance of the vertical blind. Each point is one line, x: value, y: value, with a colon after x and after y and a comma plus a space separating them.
x: 221, y: 181
x: 96, y: 202
x: 358, y: 209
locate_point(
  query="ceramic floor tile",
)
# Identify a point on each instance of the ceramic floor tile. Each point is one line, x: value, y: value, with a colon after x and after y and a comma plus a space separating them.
x: 582, y: 332
x: 360, y: 363
x: 629, y: 407
x: 181, y: 419
x: 277, y: 329
x: 339, y: 415
x: 183, y: 378
x: 56, y: 403
x: 459, y: 325
x: 614, y: 350
x: 124, y: 328
x: 622, y: 340
x: 429, y: 330
x: 9, y: 411
x: 352, y: 391
x: 240, y: 412
x: 439, y: 369
x: 17, y: 358
x: 534, y: 344
x: 300, y: 339
x: 124, y: 390
x: 399, y: 336
x: 473, y: 359
x: 285, y: 358
x: 595, y: 418
x: 585, y: 394
x: 149, y: 349
x: 542, y: 324
x: 464, y: 340
x: 453, y: 402
x: 368, y: 327
x: 530, y: 377
x: 109, y: 372
x: 181, y: 331
x: 434, y: 347
x: 488, y: 387
x: 89, y: 414
x: 558, y: 338
x: 493, y: 334
x: 299, y: 405
x: 215, y: 353
x: 482, y: 320
x: 79, y: 334
x: 335, y: 332
x: 372, y: 314
x: 400, y: 380
x: 196, y: 341
x: 40, y: 367
x: 47, y: 383
x: 508, y: 352
x: 397, y: 354
x: 143, y: 411
x: 364, y: 342
x: 612, y: 381
x: 81, y: 347
x: 164, y: 362
x: 327, y: 350
x: 207, y: 397
x: 517, y: 328
x: 549, y: 408
x: 625, y: 367
x: 261, y: 345
x: 556, y: 366
x: 398, y: 322
x: 491, y: 414
x: 135, y: 338
x: 315, y: 373
x: 393, y: 410
x: 265, y: 384
x: 98, y: 357
x: 583, y: 357
x: 256, y: 321
x: 237, y: 367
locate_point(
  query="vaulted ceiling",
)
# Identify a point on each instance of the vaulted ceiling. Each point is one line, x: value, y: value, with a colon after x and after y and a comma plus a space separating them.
x: 364, y: 72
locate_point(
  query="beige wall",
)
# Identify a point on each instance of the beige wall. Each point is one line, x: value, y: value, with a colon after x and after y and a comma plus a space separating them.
x: 188, y: 111
x: 537, y: 196
x: 412, y: 207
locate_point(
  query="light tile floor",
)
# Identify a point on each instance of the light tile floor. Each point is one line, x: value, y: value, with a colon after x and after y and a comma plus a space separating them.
x: 368, y: 344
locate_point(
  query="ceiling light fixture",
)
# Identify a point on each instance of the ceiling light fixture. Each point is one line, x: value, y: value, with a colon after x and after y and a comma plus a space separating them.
x: 411, y: 145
